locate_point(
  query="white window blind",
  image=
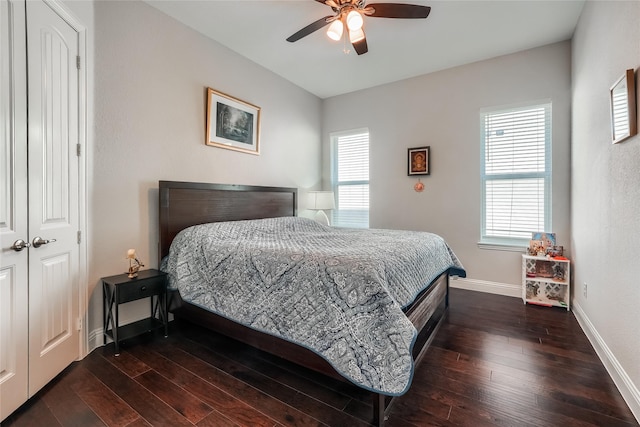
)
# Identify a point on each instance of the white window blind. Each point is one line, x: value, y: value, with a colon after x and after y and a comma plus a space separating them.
x: 351, y: 179
x: 516, y: 173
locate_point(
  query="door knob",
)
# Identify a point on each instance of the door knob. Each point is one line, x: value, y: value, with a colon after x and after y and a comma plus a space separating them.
x: 19, y: 245
x: 39, y: 241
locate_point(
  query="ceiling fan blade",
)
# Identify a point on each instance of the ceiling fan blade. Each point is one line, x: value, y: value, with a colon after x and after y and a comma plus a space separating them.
x: 314, y: 26
x: 330, y: 3
x: 397, y: 10
x: 361, y: 46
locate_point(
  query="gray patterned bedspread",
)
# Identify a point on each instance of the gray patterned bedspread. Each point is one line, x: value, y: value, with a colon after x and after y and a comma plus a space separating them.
x: 338, y: 292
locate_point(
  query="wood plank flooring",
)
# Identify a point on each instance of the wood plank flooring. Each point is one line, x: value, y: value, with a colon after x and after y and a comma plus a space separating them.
x: 495, y: 362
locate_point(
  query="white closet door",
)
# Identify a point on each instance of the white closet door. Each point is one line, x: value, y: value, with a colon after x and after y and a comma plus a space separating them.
x: 13, y: 209
x: 52, y: 47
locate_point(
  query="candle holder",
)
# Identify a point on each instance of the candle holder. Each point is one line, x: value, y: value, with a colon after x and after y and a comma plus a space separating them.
x: 134, y: 264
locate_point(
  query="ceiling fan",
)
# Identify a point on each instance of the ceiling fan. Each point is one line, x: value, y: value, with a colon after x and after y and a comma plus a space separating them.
x: 350, y: 14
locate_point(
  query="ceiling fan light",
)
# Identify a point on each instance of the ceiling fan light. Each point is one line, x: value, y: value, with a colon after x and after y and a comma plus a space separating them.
x: 354, y: 20
x: 356, y: 35
x: 335, y: 30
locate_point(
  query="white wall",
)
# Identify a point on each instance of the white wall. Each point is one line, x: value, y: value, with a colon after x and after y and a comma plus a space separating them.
x: 605, y: 188
x: 150, y: 76
x: 441, y: 110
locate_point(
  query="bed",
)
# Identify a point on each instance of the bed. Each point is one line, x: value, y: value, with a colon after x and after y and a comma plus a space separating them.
x: 208, y: 220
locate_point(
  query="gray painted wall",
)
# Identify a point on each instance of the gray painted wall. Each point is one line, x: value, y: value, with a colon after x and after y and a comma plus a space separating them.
x: 605, y: 192
x: 442, y: 110
x: 149, y: 75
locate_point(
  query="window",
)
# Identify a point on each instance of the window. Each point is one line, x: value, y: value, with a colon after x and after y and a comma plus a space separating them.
x: 516, y: 173
x: 350, y: 153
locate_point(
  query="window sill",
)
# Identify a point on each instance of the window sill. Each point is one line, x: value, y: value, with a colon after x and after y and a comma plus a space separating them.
x: 510, y: 246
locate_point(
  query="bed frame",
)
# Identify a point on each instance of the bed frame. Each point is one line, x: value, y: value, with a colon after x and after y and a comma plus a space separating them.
x: 183, y: 204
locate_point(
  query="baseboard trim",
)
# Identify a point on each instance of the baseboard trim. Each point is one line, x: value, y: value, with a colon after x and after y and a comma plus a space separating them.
x: 628, y: 390
x: 95, y: 339
x: 506, y: 289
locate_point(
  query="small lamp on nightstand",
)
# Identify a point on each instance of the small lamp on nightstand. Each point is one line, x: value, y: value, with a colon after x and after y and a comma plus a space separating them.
x: 321, y: 200
x: 134, y: 264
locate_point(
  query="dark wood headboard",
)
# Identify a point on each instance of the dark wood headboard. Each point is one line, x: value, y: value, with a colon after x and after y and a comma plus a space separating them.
x: 183, y: 204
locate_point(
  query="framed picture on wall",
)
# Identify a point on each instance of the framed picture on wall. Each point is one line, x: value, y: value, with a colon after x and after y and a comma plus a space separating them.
x: 232, y: 123
x: 419, y: 161
x: 623, y: 107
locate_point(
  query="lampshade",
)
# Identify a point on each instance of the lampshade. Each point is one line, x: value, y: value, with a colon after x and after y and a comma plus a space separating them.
x: 354, y: 20
x: 320, y: 200
x: 356, y: 35
x: 335, y: 30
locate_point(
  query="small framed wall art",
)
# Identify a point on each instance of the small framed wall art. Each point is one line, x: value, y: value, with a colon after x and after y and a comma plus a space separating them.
x: 232, y: 123
x: 419, y: 161
x: 623, y: 107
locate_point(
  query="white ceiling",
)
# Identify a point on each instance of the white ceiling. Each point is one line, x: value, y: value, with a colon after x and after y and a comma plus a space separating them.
x: 455, y: 33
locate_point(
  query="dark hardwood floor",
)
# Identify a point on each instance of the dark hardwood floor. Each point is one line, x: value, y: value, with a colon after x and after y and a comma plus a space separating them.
x: 495, y: 362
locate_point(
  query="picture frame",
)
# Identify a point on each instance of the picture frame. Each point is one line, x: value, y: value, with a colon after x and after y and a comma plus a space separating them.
x: 419, y: 161
x: 548, y: 239
x: 540, y: 242
x: 623, y: 107
x: 555, y: 251
x: 232, y: 123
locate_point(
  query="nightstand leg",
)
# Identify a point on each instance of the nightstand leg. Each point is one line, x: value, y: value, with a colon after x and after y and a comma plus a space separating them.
x: 104, y: 314
x: 165, y: 314
x: 115, y: 326
x: 108, y: 301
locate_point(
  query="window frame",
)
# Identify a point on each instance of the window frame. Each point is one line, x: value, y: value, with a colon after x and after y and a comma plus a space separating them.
x: 515, y: 243
x: 334, y: 138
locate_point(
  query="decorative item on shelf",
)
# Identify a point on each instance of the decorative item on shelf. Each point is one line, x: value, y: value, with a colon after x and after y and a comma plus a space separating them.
x: 544, y: 269
x: 419, y: 161
x: 321, y: 201
x: 540, y: 242
x: 555, y: 251
x: 134, y: 264
x: 419, y: 187
x: 535, y: 247
x: 558, y: 272
x: 532, y: 289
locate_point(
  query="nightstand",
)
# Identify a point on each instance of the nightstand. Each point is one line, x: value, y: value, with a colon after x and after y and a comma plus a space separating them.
x: 120, y: 289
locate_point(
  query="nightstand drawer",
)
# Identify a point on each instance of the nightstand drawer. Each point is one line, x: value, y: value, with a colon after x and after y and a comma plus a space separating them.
x: 138, y: 289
